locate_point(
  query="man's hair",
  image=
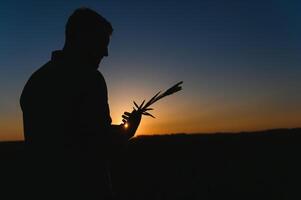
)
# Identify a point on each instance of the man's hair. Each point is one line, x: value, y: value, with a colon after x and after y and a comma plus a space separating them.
x: 88, y: 21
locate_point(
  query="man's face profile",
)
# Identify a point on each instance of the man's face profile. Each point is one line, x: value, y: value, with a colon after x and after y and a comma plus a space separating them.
x: 98, y: 43
x: 100, y: 47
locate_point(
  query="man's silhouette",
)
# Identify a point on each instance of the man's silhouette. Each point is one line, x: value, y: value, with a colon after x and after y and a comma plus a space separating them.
x: 65, y: 108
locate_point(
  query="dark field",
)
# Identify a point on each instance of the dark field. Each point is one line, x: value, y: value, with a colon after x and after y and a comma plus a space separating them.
x: 257, y: 165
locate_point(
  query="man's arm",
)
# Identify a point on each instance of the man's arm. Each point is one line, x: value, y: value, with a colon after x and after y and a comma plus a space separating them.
x: 96, y: 115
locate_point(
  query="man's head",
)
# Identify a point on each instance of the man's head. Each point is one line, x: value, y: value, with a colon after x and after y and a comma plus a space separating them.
x: 89, y: 33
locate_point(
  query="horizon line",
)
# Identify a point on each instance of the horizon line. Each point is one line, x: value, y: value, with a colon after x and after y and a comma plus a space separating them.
x: 193, y: 133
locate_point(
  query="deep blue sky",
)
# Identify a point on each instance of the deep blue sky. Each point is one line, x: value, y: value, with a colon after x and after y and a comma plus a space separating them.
x: 239, y: 60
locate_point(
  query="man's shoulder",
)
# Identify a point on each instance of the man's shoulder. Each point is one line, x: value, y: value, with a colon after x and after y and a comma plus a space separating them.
x: 35, y: 82
x: 38, y: 76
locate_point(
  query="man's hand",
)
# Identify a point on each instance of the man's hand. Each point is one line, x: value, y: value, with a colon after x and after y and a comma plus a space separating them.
x: 131, y: 122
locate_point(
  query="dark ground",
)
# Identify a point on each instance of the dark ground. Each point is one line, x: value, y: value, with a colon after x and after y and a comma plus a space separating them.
x: 257, y: 165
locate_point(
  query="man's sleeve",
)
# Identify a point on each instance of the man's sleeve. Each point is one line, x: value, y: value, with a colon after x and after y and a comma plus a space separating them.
x: 95, y: 113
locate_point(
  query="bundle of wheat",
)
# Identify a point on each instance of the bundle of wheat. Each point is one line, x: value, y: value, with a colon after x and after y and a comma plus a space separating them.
x: 144, y: 108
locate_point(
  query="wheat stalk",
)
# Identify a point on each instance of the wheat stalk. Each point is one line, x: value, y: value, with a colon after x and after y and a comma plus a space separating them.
x: 144, y: 108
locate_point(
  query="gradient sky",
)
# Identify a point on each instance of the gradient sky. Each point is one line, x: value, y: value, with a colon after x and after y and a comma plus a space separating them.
x: 240, y: 60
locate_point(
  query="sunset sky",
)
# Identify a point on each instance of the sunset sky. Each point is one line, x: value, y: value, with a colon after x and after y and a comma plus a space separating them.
x: 240, y: 60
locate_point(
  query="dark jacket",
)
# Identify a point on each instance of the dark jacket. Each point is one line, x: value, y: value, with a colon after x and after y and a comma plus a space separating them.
x: 65, y: 102
x: 66, y: 114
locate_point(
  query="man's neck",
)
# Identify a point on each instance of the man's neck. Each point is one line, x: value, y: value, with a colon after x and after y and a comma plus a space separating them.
x: 80, y: 56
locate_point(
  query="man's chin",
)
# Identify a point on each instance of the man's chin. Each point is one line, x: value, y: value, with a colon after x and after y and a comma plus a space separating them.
x: 97, y: 59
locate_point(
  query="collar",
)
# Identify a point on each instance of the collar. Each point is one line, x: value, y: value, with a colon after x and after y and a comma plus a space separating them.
x: 73, y: 60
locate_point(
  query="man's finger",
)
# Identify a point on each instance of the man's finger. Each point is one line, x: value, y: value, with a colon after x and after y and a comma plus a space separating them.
x: 125, y: 117
x: 127, y: 113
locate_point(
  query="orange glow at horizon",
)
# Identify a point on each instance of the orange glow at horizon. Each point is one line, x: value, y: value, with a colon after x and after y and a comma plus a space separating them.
x: 198, y: 123
x: 177, y: 114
